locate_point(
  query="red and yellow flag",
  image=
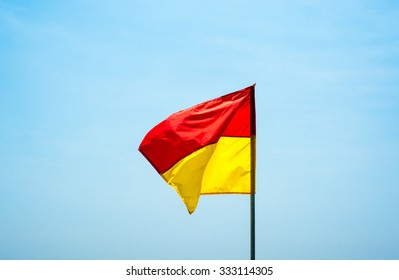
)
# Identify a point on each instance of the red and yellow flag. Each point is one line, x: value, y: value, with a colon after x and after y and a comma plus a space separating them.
x: 208, y: 148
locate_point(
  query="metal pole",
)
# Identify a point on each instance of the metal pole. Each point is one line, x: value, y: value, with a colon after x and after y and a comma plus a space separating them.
x: 252, y: 226
x: 253, y: 169
x: 252, y: 200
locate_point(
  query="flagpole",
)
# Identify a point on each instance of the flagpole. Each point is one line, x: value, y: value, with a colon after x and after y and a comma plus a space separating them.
x: 252, y: 226
x: 253, y: 168
x: 252, y: 199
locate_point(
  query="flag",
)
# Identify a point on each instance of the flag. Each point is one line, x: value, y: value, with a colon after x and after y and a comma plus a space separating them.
x: 206, y: 149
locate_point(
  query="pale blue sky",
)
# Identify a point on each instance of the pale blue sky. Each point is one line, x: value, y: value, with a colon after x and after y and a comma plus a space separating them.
x: 81, y: 82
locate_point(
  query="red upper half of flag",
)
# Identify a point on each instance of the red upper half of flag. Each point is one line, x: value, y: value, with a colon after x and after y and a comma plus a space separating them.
x: 188, y: 130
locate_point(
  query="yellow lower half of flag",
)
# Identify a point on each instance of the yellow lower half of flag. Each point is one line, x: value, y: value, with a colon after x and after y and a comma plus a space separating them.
x: 220, y: 168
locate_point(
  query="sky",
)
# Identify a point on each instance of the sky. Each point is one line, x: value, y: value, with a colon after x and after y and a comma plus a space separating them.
x: 82, y: 82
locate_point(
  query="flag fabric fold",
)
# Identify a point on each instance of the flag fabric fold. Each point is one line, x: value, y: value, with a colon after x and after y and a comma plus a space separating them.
x: 206, y: 149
